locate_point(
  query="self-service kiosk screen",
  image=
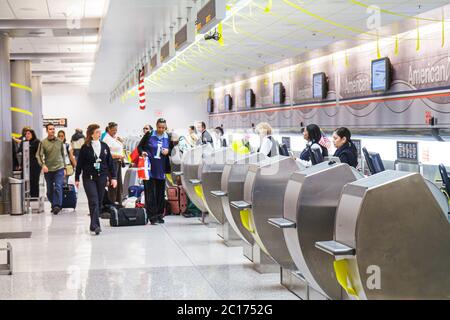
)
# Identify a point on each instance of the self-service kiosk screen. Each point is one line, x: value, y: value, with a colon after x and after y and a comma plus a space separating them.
x: 408, y: 151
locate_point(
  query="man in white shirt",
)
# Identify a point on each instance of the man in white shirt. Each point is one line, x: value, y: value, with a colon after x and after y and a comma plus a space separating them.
x: 115, y: 144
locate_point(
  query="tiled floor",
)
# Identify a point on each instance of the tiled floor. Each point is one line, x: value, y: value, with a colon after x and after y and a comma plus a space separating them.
x: 181, y: 259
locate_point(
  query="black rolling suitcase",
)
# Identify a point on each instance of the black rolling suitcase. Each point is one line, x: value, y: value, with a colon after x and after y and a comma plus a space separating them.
x: 69, y: 197
x: 127, y: 217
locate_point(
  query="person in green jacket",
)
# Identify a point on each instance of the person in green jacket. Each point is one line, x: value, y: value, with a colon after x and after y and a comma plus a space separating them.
x: 50, y: 156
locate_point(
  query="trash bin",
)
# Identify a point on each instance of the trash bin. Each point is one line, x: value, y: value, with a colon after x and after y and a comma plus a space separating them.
x: 17, y: 196
x: 17, y: 174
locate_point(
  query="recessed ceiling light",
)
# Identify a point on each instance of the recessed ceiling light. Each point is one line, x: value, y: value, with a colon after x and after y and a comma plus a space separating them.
x: 27, y: 9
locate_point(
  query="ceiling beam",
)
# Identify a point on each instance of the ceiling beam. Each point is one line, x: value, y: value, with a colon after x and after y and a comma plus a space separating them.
x: 86, y: 23
x: 51, y: 55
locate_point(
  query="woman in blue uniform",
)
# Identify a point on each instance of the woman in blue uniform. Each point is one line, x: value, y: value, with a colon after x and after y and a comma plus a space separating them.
x: 155, y: 146
x: 346, y: 150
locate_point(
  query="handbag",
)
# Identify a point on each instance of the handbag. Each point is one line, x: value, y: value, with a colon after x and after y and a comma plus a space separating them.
x: 69, y: 170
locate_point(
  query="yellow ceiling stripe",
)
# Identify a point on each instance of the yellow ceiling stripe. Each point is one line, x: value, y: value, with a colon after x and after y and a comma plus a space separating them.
x: 20, y: 86
x: 358, y: 3
x: 443, y: 29
x: 316, y: 16
x: 307, y: 27
x: 418, y: 36
x: 23, y: 111
x: 220, y: 31
x: 268, y: 7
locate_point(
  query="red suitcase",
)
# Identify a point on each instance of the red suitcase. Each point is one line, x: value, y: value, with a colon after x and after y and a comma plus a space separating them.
x: 177, y: 199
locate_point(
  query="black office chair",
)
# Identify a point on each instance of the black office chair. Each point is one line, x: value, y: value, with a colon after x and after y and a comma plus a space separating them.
x: 445, y: 179
x: 373, y: 161
x: 316, y: 156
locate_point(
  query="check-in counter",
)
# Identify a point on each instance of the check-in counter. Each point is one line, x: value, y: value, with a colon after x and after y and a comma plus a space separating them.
x: 310, y: 203
x: 391, y: 239
x: 210, y: 175
x: 190, y: 163
x: 232, y: 189
x: 264, y: 190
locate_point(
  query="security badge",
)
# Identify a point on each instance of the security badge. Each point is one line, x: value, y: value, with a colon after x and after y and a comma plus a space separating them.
x: 97, y: 164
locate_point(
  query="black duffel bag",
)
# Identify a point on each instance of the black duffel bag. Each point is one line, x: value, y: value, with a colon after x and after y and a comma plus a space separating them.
x: 126, y: 217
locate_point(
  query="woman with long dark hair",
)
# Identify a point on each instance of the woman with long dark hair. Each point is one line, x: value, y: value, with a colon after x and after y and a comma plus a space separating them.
x: 313, y: 135
x: 346, y: 150
x: 35, y: 168
x: 69, y: 157
x: 96, y: 164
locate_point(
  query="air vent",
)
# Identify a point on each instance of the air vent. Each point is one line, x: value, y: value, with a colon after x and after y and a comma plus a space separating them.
x: 36, y: 33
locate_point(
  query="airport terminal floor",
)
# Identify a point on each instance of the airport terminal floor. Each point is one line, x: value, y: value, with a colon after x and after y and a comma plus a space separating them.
x: 237, y: 153
x: 181, y: 259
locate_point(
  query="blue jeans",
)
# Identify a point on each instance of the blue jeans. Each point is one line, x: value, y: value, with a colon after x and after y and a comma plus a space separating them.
x: 55, y: 182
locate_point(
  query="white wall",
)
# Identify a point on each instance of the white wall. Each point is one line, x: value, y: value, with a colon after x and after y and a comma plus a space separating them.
x: 81, y: 109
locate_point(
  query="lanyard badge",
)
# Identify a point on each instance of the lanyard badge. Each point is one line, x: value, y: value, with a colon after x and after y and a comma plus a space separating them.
x: 158, y: 152
x: 97, y: 164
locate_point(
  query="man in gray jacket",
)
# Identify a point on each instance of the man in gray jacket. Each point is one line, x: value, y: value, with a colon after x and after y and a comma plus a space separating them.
x: 50, y: 156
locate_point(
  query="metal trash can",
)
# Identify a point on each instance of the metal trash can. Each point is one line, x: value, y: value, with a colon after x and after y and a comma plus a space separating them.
x: 17, y: 174
x: 17, y: 196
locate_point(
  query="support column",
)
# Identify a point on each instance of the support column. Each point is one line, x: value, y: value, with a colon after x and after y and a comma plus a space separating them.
x: 5, y: 124
x: 36, y: 85
x: 21, y: 96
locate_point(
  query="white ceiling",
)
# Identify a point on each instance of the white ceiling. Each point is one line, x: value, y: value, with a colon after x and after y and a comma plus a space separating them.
x: 51, y: 9
x: 46, y: 31
x: 116, y: 42
x: 260, y: 39
x: 129, y: 28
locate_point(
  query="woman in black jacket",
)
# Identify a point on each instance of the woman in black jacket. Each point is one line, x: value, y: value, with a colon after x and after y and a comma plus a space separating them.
x: 346, y: 150
x: 35, y: 168
x: 96, y: 163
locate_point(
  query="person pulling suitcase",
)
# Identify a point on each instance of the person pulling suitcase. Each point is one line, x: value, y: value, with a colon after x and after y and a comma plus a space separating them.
x: 96, y: 164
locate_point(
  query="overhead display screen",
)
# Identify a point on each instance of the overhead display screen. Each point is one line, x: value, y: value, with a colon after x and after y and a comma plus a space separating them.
x: 320, y: 89
x: 249, y: 98
x: 381, y: 75
x: 210, y: 105
x: 228, y: 101
x: 279, y: 93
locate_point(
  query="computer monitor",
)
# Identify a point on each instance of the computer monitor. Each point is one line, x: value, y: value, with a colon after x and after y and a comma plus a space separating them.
x: 316, y: 155
x: 373, y: 161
